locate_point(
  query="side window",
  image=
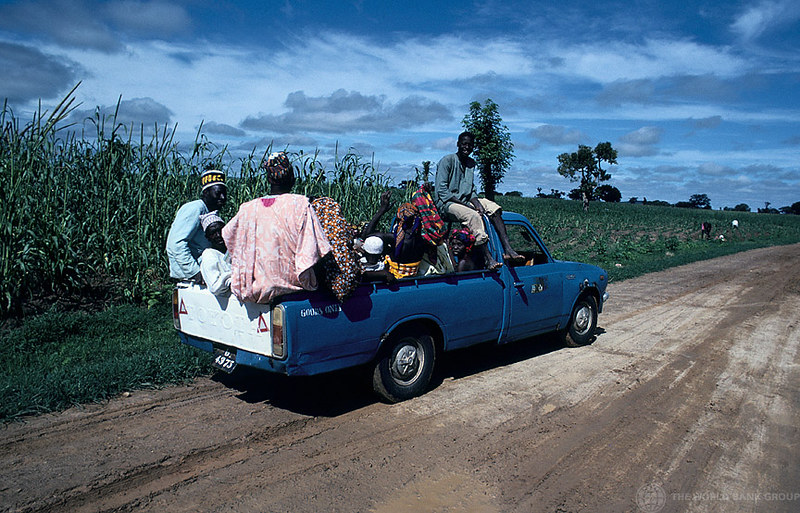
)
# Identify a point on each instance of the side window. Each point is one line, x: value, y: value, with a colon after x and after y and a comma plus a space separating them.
x: 524, y: 243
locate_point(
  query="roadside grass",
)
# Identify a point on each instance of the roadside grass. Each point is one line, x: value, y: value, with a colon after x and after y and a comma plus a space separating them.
x: 61, y: 359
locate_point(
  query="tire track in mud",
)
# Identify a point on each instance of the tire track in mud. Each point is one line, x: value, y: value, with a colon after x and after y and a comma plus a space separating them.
x: 116, y: 492
x: 82, y: 418
x: 254, y: 457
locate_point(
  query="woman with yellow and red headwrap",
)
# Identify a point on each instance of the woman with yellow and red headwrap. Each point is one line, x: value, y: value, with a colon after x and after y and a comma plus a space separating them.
x: 409, y: 246
x: 460, y: 244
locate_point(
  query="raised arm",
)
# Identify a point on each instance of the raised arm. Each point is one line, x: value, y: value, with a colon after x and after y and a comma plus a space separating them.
x: 382, y: 209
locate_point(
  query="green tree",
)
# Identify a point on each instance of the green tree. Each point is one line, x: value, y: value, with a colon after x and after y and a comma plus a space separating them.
x: 700, y: 201
x: 494, y: 150
x: 584, y: 166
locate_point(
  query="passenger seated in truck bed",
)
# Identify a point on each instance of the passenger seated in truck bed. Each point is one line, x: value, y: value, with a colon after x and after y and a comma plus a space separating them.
x: 215, y: 263
x: 274, y: 241
x: 341, y: 270
x: 461, y: 243
x: 373, y: 264
x: 409, y: 246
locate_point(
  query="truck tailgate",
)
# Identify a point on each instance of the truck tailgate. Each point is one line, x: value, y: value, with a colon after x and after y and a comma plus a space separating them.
x: 224, y: 319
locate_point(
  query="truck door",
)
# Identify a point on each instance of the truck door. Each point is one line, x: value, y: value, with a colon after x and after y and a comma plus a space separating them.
x: 536, y: 288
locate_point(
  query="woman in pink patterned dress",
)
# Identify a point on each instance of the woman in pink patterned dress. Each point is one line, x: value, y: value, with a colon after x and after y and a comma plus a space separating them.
x: 274, y: 241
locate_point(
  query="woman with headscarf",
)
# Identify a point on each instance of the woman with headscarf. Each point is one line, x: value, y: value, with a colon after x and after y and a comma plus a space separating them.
x: 409, y: 246
x: 274, y: 241
x: 460, y: 243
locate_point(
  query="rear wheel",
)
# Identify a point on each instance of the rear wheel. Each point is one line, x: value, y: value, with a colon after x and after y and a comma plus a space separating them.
x: 582, y: 323
x: 405, y: 366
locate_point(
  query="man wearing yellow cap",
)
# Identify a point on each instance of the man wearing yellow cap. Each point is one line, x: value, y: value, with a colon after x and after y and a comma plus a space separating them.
x: 186, y: 240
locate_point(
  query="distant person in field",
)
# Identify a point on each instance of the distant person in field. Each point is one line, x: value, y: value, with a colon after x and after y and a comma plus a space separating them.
x: 215, y: 264
x: 705, y: 231
x: 186, y: 239
x: 455, y: 195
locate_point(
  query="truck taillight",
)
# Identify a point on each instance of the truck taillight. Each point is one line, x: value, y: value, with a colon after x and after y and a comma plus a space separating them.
x: 176, y: 316
x: 278, y: 341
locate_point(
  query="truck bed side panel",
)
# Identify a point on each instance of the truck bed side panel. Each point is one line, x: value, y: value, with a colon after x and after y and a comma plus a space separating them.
x: 325, y: 335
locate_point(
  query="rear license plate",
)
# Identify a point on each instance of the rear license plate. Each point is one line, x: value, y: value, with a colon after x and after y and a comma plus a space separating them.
x: 224, y: 360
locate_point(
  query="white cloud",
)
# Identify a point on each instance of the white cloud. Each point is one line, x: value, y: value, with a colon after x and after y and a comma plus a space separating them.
x: 154, y: 18
x: 558, y: 135
x: 212, y: 127
x: 764, y: 16
x: 644, y: 135
x: 95, y: 25
x: 445, y: 144
x: 135, y: 114
x: 29, y: 74
x: 641, y: 142
x: 705, y: 123
x: 714, y: 169
x: 347, y: 111
x: 607, y: 62
x: 73, y: 23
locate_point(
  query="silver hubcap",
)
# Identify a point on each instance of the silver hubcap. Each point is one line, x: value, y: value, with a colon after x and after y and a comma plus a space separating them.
x: 583, y: 319
x: 407, y: 364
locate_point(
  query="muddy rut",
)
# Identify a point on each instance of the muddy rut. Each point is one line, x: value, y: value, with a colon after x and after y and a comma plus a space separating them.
x: 689, y: 400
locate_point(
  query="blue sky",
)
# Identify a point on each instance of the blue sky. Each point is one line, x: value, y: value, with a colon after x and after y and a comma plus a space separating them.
x: 696, y: 96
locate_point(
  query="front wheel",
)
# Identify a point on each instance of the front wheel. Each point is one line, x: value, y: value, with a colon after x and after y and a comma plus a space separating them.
x: 582, y: 323
x: 405, y: 367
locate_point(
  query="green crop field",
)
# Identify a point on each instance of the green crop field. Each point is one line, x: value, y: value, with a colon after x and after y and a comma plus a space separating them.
x: 84, y: 286
x: 631, y: 239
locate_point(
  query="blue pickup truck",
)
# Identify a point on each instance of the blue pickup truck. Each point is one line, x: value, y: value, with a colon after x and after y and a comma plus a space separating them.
x: 400, y: 329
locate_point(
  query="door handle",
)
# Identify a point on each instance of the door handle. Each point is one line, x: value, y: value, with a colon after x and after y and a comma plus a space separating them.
x: 519, y: 284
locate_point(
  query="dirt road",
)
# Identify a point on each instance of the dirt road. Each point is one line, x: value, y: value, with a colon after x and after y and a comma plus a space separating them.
x: 689, y: 400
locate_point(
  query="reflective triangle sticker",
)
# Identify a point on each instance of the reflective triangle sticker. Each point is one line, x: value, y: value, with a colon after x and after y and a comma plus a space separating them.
x: 262, y: 324
x: 182, y: 308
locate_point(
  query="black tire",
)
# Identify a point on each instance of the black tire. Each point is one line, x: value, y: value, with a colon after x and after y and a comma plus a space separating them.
x: 582, y: 323
x: 405, y: 366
